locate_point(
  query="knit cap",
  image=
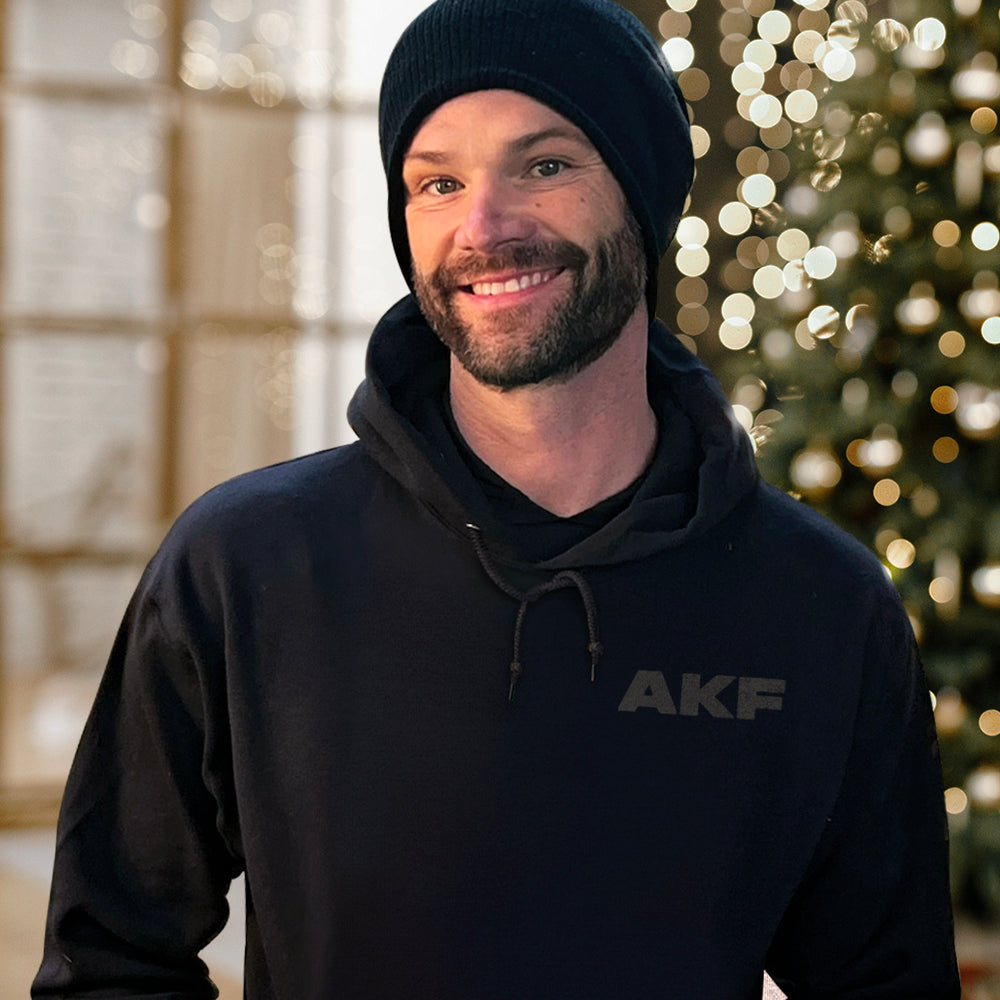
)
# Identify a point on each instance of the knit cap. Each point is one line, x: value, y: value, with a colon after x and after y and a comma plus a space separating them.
x: 590, y: 60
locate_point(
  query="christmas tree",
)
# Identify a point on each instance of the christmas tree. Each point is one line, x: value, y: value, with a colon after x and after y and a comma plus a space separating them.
x: 863, y: 329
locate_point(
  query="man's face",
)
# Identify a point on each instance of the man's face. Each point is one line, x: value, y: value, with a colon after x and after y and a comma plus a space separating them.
x: 526, y: 260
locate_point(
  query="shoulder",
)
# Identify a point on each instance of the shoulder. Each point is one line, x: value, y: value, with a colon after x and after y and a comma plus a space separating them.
x: 294, y: 486
x: 265, y: 516
x: 806, y: 561
x: 803, y: 535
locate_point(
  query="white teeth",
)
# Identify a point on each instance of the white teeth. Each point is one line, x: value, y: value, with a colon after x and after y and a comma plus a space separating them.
x: 512, y: 284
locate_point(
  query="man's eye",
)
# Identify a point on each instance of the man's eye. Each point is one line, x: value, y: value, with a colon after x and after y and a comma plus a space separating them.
x: 441, y: 185
x: 548, y: 168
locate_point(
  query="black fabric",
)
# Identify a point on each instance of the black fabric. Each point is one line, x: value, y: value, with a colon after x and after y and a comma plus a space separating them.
x: 311, y: 685
x: 540, y: 534
x: 590, y: 60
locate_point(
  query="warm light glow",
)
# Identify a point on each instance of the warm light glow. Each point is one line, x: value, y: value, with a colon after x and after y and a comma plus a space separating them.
x: 820, y: 262
x: 955, y: 801
x: 793, y: 244
x: 985, y: 585
x: 944, y: 399
x: 925, y: 501
x: 951, y: 344
x: 983, y: 120
x: 886, y: 492
x: 983, y: 787
x: 735, y: 335
x: 985, y: 236
x: 747, y: 78
x: 692, y: 261
x: 701, y: 141
x: 879, y: 454
x: 949, y: 711
x: 854, y: 11
x: 929, y: 34
x: 692, y: 231
x: 928, y: 143
x: 839, y: 64
x: 904, y: 384
x: 801, y: 105
x: 765, y: 111
x: 978, y: 412
x: 823, y: 322
x: 794, y: 276
x: 854, y: 396
x: 825, y: 175
x: 805, y: 44
x: 757, y: 190
x: 989, y: 722
x: 901, y: 553
x: 889, y: 34
x: 815, y: 471
x: 945, y: 450
x: 735, y: 218
x: 769, y: 282
x: 738, y: 306
x: 760, y: 53
x: 679, y: 53
x: 775, y: 26
x: 946, y: 233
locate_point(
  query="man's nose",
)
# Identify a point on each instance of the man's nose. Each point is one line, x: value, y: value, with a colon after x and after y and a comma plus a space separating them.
x: 495, y: 214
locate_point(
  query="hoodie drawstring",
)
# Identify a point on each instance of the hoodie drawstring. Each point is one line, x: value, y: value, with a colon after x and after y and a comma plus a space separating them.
x: 564, y: 578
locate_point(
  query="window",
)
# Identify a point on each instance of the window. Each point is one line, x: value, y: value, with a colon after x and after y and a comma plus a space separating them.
x: 194, y: 250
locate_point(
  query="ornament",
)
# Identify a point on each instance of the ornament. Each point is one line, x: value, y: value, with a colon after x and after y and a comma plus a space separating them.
x: 889, y: 34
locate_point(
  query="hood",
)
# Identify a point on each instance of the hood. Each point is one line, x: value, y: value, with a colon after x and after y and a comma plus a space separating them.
x: 406, y: 363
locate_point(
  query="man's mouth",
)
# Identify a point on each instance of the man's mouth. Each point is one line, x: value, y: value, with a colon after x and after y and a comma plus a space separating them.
x: 514, y: 284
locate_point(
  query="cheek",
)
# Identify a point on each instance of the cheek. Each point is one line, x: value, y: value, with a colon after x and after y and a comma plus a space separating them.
x: 428, y: 238
x: 417, y: 233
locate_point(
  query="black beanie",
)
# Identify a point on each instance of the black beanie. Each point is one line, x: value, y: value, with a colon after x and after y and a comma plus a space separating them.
x: 590, y: 60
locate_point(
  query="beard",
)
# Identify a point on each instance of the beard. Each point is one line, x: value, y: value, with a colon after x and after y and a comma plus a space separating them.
x: 573, y: 333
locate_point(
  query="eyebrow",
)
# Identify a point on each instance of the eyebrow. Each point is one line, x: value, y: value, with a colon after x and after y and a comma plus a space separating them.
x: 519, y: 145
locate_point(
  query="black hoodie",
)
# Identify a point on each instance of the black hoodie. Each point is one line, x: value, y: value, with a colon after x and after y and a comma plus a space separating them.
x: 719, y: 757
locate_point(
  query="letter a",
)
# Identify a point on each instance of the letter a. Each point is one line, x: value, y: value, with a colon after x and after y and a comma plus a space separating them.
x: 648, y: 690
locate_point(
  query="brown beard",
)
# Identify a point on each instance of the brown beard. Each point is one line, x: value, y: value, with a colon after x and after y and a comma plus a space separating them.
x: 575, y: 332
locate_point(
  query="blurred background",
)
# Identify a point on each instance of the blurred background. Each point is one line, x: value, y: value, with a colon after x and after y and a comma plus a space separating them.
x: 193, y: 251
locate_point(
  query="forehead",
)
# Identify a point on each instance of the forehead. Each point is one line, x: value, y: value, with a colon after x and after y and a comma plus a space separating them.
x: 500, y: 115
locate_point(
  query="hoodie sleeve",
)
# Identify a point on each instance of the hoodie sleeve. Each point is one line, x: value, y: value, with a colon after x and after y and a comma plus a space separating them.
x: 872, y: 917
x: 141, y: 867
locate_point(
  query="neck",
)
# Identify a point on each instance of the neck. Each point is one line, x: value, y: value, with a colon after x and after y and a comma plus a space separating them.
x: 571, y: 444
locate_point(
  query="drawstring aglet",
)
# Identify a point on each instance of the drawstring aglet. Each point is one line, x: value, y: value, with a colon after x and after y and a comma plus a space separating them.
x: 595, y: 649
x: 515, y: 673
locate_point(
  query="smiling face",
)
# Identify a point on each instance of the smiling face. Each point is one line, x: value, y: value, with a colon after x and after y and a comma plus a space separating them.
x: 526, y: 259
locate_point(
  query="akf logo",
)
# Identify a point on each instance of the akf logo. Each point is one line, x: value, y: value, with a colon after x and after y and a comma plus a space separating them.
x: 649, y: 690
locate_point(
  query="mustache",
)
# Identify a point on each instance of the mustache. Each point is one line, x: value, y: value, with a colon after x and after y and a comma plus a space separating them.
x: 467, y: 266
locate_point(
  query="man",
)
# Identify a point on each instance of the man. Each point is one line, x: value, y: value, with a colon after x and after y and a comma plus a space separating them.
x: 537, y: 691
